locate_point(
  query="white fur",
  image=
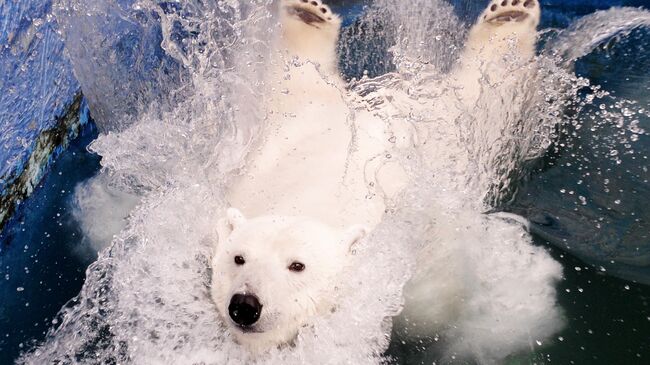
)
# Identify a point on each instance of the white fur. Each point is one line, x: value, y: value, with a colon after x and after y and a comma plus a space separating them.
x: 303, y: 166
x: 319, y: 160
x: 269, y: 245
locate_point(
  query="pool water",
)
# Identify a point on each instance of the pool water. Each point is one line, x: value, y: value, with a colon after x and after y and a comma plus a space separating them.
x: 604, y: 294
x: 42, y: 252
x: 608, y: 321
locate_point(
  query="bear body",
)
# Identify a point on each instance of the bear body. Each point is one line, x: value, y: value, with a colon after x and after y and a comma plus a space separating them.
x: 313, y: 158
x: 322, y: 176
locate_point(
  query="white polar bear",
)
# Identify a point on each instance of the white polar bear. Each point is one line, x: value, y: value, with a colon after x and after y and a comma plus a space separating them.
x: 321, y: 176
x: 273, y: 272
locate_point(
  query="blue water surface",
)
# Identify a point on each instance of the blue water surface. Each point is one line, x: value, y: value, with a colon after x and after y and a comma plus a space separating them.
x: 36, y: 80
x: 42, y: 259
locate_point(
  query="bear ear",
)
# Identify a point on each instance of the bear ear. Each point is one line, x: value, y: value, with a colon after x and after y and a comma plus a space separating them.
x: 354, y: 234
x: 233, y: 219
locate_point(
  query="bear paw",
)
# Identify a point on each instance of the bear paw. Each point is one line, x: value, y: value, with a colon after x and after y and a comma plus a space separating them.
x: 311, y: 12
x: 501, y: 12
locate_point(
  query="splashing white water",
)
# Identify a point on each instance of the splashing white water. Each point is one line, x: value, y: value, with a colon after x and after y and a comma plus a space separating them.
x: 146, y: 299
x: 98, y: 223
x: 587, y: 33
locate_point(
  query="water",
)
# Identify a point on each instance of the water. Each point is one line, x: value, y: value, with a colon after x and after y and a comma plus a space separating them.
x: 42, y: 252
x: 37, y: 82
x: 145, y: 298
x: 606, y: 322
x: 599, y: 172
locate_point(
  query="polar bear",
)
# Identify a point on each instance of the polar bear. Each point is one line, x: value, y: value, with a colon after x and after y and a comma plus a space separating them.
x: 273, y: 272
x: 309, y: 199
x: 322, y: 175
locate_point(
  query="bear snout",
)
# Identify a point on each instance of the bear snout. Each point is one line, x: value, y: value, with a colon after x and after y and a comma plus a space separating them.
x: 244, y: 309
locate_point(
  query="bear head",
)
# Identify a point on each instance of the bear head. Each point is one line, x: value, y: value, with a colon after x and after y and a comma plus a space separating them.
x: 270, y: 274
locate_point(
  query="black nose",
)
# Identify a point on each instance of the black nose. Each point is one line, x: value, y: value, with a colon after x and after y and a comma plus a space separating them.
x: 244, y: 309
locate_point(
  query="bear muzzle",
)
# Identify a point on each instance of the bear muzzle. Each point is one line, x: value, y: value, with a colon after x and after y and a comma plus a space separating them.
x: 244, y: 310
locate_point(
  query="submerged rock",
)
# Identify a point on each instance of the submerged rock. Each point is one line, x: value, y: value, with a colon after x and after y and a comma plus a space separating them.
x: 20, y: 183
x: 41, y: 100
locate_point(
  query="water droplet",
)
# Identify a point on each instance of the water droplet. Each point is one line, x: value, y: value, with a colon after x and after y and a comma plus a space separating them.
x: 627, y: 112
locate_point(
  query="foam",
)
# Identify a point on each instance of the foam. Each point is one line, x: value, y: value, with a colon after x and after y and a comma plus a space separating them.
x: 90, y: 203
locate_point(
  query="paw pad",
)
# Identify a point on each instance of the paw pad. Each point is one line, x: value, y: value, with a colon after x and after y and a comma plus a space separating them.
x: 505, y: 11
x: 310, y: 12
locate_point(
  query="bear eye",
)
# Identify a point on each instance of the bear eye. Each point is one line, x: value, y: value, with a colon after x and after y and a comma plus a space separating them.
x: 297, y: 266
x: 239, y: 260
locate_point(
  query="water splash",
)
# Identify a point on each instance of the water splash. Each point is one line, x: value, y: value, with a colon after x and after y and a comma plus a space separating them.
x: 175, y: 140
x: 146, y: 298
x: 586, y: 196
x: 115, y: 51
x: 584, y: 35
